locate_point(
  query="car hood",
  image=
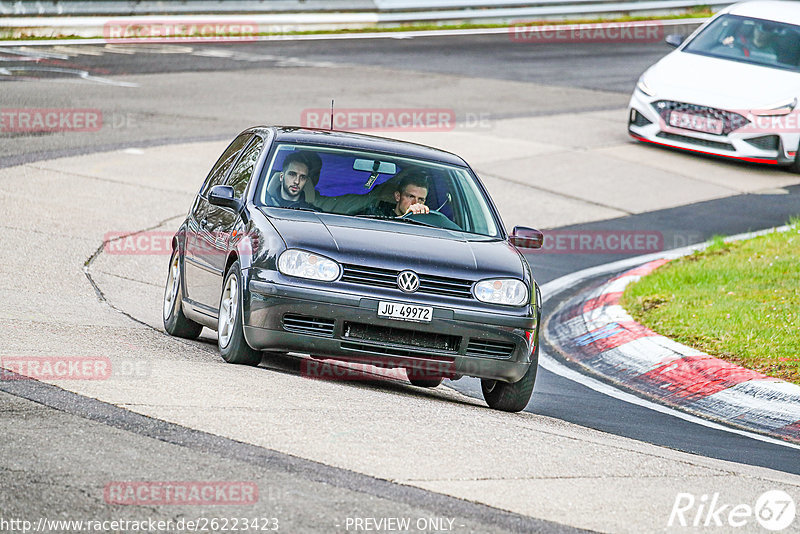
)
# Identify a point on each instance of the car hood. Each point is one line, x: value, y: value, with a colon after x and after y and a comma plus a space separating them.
x: 720, y: 83
x: 397, y: 246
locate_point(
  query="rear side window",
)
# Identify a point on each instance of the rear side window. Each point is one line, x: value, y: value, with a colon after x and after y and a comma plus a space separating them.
x: 223, y: 164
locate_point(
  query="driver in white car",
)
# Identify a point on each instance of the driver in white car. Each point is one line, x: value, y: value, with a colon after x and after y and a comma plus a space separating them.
x: 758, y: 43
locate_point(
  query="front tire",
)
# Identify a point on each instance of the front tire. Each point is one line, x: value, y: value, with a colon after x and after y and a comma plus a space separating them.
x: 230, y: 334
x: 175, y: 322
x: 512, y: 397
x: 795, y: 166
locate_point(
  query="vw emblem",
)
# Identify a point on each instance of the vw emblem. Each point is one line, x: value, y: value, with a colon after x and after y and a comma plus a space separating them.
x: 408, y: 281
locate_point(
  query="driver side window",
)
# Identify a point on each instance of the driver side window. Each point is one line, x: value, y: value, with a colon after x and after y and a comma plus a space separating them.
x: 240, y: 176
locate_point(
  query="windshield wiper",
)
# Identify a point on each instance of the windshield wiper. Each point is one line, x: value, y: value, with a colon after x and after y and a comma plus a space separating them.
x: 397, y: 219
x: 293, y: 208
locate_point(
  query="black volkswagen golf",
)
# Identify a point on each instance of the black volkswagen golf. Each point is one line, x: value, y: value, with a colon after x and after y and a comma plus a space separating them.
x: 351, y: 247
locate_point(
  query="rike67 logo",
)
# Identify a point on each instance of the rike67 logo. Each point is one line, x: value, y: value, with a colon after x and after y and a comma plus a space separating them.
x: 774, y: 510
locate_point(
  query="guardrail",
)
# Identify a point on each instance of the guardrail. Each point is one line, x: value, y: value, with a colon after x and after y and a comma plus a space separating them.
x: 404, y: 10
x: 92, y: 18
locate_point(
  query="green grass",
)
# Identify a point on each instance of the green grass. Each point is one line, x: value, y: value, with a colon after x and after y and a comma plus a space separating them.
x: 736, y: 301
x: 693, y: 13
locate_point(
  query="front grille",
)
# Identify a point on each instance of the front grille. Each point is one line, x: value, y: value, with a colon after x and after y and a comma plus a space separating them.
x: 303, y: 324
x: 766, y: 142
x: 490, y: 349
x: 695, y: 141
x: 401, y: 336
x: 387, y: 278
x: 369, y: 276
x: 439, y: 285
x: 637, y: 119
x: 730, y: 121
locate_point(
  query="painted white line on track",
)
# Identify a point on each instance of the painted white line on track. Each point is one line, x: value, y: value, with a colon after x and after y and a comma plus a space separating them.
x: 553, y: 288
x: 556, y: 367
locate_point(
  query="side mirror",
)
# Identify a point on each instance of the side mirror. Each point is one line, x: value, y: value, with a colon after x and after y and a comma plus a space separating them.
x: 674, y: 39
x: 223, y: 196
x: 522, y: 237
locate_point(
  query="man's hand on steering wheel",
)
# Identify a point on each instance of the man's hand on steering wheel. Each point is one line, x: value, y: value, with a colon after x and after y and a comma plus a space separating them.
x: 417, y: 209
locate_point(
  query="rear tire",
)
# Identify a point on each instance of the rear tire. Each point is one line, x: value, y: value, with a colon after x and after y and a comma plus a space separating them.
x: 230, y: 334
x: 512, y: 397
x: 175, y: 322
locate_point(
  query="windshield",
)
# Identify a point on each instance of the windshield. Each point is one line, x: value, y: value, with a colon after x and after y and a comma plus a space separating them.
x: 373, y: 185
x: 757, y: 41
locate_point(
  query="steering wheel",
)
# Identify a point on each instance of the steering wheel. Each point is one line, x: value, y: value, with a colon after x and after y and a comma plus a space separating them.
x: 736, y: 42
x: 434, y: 218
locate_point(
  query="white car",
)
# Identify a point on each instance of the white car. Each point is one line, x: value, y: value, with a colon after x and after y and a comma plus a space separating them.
x: 730, y: 89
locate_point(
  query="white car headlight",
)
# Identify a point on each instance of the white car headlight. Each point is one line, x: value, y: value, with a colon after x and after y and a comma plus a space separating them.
x: 780, y: 109
x: 502, y: 291
x: 643, y: 87
x: 304, y: 264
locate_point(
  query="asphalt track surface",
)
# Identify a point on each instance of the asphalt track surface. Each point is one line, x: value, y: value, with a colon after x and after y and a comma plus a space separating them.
x: 610, y: 68
x: 604, y: 67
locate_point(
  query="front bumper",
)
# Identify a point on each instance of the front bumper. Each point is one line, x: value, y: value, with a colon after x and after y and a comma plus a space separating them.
x: 777, y: 147
x: 345, y: 326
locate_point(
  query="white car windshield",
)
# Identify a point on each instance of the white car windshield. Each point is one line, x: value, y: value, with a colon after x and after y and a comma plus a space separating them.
x: 374, y: 185
x: 750, y: 40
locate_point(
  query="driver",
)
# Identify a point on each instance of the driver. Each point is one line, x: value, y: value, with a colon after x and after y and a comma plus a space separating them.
x: 759, y: 39
x: 409, y: 198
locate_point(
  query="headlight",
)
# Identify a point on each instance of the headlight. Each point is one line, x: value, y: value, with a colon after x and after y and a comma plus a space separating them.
x: 502, y: 291
x: 643, y: 87
x: 771, y: 111
x: 293, y: 262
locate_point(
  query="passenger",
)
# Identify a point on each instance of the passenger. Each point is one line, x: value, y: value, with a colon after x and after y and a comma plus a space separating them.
x: 764, y: 38
x: 409, y: 197
x: 296, y: 172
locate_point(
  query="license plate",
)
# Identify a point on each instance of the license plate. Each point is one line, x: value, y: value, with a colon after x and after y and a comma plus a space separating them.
x: 405, y: 312
x: 698, y: 123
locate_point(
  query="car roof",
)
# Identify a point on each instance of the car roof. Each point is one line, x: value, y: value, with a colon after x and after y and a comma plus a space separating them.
x: 335, y: 138
x: 777, y: 10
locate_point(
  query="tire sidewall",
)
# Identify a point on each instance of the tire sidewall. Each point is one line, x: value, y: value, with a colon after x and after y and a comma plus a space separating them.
x: 176, y: 323
x: 513, y: 397
x: 237, y: 350
x: 170, y: 319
